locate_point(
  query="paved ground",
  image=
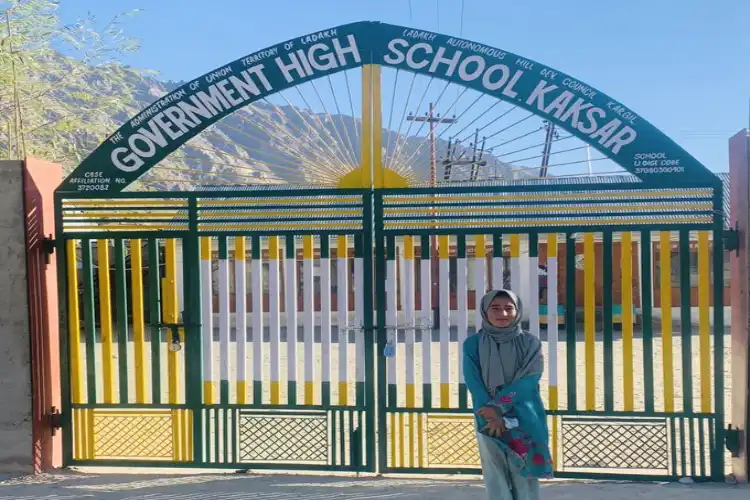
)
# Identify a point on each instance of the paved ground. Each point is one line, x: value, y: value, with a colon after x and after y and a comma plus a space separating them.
x: 70, y: 485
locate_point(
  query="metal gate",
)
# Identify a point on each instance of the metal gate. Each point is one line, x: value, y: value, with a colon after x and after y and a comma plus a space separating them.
x: 624, y: 284
x: 195, y: 336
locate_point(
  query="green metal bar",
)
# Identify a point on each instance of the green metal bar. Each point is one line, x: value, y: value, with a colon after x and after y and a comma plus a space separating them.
x: 62, y: 257
x: 463, y: 400
x: 334, y: 439
x: 717, y: 459
x: 570, y: 317
x: 216, y: 436
x: 686, y: 320
x: 607, y: 264
x: 393, y: 228
x: 121, y: 296
x: 424, y: 253
x: 600, y: 216
x: 380, y: 273
x: 389, y: 330
x: 371, y: 382
x: 227, y: 435
x: 645, y: 201
x: 154, y: 301
x: 702, y: 444
x: 255, y: 249
x: 647, y: 326
x: 193, y: 320
x: 672, y: 422
x: 360, y: 388
x: 342, y: 436
x: 497, y: 251
x: 691, y: 430
x: 89, y: 320
x: 290, y: 250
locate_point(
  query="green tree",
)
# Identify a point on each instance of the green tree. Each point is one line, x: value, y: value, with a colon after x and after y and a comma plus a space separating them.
x: 62, y: 86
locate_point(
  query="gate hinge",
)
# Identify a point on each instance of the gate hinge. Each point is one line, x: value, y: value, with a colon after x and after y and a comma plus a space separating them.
x: 732, y: 239
x: 54, y: 419
x: 732, y: 439
x: 48, y: 245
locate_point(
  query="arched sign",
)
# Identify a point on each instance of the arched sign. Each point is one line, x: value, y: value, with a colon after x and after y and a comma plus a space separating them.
x: 597, y: 119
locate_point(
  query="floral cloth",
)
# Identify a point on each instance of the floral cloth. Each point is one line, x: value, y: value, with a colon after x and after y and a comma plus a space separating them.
x: 527, y: 445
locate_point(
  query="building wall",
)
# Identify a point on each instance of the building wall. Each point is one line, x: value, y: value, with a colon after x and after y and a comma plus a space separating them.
x: 15, y: 352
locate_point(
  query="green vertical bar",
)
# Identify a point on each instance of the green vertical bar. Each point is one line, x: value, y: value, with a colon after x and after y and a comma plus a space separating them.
x: 291, y: 332
x: 360, y: 388
x: 691, y: 427
x: 226, y: 433
x: 257, y: 255
x: 424, y: 253
x: 672, y: 421
x: 334, y: 440
x: 62, y: 257
x: 647, y: 326
x: 224, y: 384
x: 121, y: 296
x: 380, y: 275
x: 717, y: 454
x: 369, y: 302
x: 686, y: 327
x: 497, y: 251
x: 609, y: 384
x: 570, y: 317
x: 463, y: 401
x: 154, y: 310
x: 89, y: 320
x: 217, y: 433
x: 325, y: 386
x: 193, y: 320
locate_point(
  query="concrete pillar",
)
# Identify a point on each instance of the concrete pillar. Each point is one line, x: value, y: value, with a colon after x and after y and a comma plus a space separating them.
x: 739, y: 170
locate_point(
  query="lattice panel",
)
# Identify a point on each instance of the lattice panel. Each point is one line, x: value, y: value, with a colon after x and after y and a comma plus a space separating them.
x: 451, y: 441
x: 126, y: 435
x: 284, y: 438
x: 615, y: 444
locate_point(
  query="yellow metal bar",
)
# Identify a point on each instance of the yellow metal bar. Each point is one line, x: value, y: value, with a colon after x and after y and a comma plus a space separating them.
x: 402, y: 444
x: 139, y: 329
x: 240, y: 253
x: 191, y: 444
x: 105, y: 320
x: 553, y: 404
x: 90, y: 444
x: 589, y: 292
x: 411, y: 402
x: 704, y: 318
x: 74, y: 323
x: 665, y: 291
x: 275, y: 392
x: 445, y: 395
x: 443, y: 246
x: 366, y: 147
x: 71, y: 204
x: 393, y: 440
x: 311, y: 212
x: 343, y: 393
x: 561, y: 196
x: 480, y: 247
x: 515, y: 245
x: 626, y: 282
x: 420, y: 436
x: 378, y: 174
x: 170, y: 314
x: 342, y: 247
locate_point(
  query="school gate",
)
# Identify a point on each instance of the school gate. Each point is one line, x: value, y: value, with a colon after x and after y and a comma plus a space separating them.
x: 320, y: 328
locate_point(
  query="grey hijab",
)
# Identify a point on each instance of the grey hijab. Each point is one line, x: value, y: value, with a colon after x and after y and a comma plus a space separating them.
x: 506, y: 354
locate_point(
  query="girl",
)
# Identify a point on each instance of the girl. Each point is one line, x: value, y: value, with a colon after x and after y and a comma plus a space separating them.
x: 502, y: 368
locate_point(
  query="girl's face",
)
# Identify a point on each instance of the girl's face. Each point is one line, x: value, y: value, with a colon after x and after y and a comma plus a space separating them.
x: 502, y: 312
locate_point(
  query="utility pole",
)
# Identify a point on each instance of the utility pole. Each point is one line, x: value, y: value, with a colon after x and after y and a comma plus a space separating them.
x: 476, y: 161
x: 433, y: 120
x: 548, y: 140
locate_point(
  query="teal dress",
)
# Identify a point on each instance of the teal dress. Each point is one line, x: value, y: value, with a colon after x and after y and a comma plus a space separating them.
x: 512, y: 464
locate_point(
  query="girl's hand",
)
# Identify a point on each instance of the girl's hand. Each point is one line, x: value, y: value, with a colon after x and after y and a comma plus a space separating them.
x: 495, y: 427
x: 488, y: 413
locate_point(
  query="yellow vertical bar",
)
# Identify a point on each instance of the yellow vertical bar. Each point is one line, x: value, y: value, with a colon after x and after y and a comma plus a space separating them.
x: 74, y: 324
x: 665, y: 291
x: 377, y: 129
x: 704, y: 315
x: 105, y: 320
x: 139, y: 335
x: 190, y: 434
x: 515, y: 246
x: 626, y: 282
x: 393, y: 441
x: 308, y: 254
x: 176, y: 435
x: 589, y: 304
x: 410, y: 385
x: 480, y: 248
x: 342, y: 251
x: 90, y: 445
x: 420, y: 434
x: 366, y: 153
x: 552, y: 362
x: 170, y: 313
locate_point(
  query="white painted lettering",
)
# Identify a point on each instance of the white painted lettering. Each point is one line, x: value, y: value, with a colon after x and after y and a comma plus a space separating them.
x: 127, y: 163
x: 287, y: 69
x: 341, y: 51
x: 537, y: 96
x: 396, y: 56
x: 410, y: 55
x: 463, y: 69
x: 439, y: 59
x: 323, y: 62
x: 487, y: 78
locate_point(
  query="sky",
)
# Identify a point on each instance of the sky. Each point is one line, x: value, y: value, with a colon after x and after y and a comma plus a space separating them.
x: 684, y: 65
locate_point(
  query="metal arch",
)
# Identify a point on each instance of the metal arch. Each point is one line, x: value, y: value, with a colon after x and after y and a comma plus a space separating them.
x: 595, y: 118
